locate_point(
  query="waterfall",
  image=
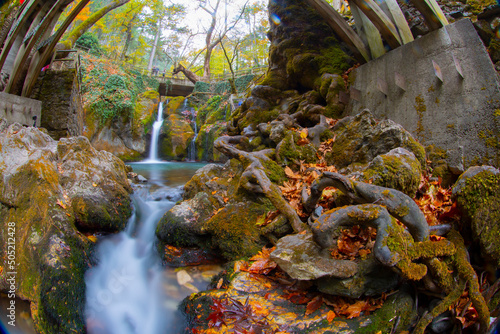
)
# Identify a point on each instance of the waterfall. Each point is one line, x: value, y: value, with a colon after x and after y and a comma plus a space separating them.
x: 192, y: 145
x: 153, y: 151
x: 124, y: 291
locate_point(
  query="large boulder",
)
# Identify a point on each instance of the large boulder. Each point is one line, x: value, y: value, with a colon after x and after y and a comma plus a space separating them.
x: 361, y: 138
x: 477, y: 195
x: 48, y: 191
x: 176, y: 136
x: 218, y: 215
x: 397, y: 169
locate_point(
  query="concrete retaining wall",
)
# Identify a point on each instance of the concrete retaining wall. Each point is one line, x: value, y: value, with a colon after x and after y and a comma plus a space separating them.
x: 458, y: 114
x: 20, y: 109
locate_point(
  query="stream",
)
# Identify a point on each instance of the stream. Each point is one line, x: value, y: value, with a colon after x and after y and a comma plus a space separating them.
x: 129, y: 292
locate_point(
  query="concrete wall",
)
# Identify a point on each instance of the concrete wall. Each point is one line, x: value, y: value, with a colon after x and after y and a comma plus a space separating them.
x: 19, y: 109
x: 461, y: 115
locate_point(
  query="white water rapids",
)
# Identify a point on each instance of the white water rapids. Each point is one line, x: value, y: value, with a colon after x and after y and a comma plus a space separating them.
x: 124, y: 291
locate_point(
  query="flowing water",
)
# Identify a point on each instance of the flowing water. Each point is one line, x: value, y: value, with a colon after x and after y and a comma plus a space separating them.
x: 153, y: 150
x: 128, y: 292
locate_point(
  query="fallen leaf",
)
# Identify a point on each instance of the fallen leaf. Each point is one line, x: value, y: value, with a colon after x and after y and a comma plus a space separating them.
x: 314, y: 304
x: 219, y: 284
x: 330, y: 316
x: 61, y: 204
x: 94, y: 185
x: 92, y: 238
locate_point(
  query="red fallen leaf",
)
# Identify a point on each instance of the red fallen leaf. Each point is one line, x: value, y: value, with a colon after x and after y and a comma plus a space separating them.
x: 298, y: 298
x: 314, y: 304
x: 262, y: 267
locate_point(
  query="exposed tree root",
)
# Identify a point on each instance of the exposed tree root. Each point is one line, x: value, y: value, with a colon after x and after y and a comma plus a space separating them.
x: 254, y: 178
x: 445, y: 262
x: 398, y: 204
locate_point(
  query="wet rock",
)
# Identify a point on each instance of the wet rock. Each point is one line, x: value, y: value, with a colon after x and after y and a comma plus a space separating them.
x: 371, y: 279
x: 234, y: 229
x: 176, y: 135
x: 397, y: 169
x: 477, y: 195
x: 301, y: 258
x: 182, y: 226
x: 96, y: 184
x: 213, y: 178
x: 47, y: 190
x: 361, y: 138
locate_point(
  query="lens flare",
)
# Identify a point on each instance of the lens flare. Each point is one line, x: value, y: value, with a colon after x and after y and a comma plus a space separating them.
x: 276, y: 19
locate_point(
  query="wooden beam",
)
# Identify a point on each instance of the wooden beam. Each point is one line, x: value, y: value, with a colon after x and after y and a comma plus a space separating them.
x: 25, y: 50
x: 399, y: 21
x: 16, y: 29
x: 39, y: 60
x: 381, y: 21
x: 432, y: 13
x: 366, y: 29
x: 341, y: 28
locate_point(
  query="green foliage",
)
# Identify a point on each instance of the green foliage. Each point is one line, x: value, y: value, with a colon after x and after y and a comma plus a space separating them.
x: 201, y: 87
x: 90, y: 42
x: 110, y: 91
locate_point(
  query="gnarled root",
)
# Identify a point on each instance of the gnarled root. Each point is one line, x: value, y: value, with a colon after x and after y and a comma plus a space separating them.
x: 254, y: 178
x: 397, y: 203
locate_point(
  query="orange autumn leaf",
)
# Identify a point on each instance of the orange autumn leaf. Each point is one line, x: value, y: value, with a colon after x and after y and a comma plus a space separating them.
x: 354, y: 310
x: 314, y: 304
x: 330, y: 316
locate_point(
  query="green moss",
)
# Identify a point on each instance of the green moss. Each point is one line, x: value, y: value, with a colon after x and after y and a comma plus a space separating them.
x: 174, y: 105
x: 479, y: 202
x: 420, y: 108
x: 334, y: 60
x: 395, y: 172
x: 291, y: 153
x: 400, y: 306
x: 235, y: 231
x: 274, y: 171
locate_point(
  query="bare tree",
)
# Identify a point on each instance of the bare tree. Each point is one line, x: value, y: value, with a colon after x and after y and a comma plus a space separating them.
x: 210, y: 42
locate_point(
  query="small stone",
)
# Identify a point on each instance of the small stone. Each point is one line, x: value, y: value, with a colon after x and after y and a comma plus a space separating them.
x: 183, y: 277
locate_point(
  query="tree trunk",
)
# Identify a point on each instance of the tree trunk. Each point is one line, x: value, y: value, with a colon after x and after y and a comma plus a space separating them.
x: 188, y: 73
x: 77, y: 32
x: 153, y: 51
x: 128, y: 40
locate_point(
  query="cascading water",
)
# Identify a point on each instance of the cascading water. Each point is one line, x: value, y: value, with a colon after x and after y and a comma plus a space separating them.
x: 192, y: 145
x: 126, y: 292
x: 153, y: 151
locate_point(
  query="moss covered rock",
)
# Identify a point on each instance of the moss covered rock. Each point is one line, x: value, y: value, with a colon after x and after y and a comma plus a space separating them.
x: 182, y: 226
x: 289, y: 151
x: 41, y: 180
x: 477, y: 195
x: 361, y: 138
x: 176, y: 135
x: 234, y: 229
x: 125, y: 136
x: 302, y: 47
x: 397, y: 169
